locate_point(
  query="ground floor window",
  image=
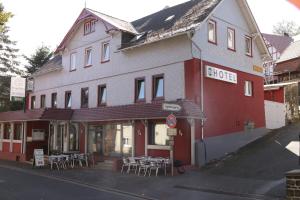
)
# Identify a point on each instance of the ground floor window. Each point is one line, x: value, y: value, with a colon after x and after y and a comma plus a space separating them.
x: 73, y: 137
x: 17, y: 131
x: 7, y: 130
x: 158, y: 134
x: 110, y: 140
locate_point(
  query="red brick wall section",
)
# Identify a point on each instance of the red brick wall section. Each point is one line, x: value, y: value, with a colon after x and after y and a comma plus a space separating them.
x: 139, y: 138
x: 81, y: 138
x: 225, y: 105
x: 182, y: 147
x: 17, y: 147
x: 275, y: 95
x: 30, y: 146
x: 5, y: 146
x: 12, y: 156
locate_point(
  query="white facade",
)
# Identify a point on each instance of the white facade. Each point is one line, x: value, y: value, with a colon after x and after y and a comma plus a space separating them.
x: 164, y: 57
x: 275, y: 114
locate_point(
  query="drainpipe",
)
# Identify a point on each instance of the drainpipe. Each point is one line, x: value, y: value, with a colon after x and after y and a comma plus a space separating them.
x: 190, y: 37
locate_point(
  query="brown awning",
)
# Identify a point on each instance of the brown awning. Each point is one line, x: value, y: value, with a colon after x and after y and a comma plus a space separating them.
x: 137, y: 111
x: 109, y: 113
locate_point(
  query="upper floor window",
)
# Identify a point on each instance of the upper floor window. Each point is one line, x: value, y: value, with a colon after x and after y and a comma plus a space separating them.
x: 73, y: 61
x: 140, y: 89
x: 84, y: 97
x: 89, y: 27
x: 43, y: 101
x: 105, y: 56
x: 68, y: 99
x: 54, y: 100
x: 102, y: 95
x: 248, y: 45
x: 231, y: 39
x: 32, y: 105
x: 88, y: 57
x: 158, y: 87
x: 248, y: 88
x: 212, y: 31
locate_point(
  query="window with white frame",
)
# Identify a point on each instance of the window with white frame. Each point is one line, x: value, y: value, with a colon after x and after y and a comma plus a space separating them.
x: 105, y: 57
x: 73, y: 62
x: 231, y: 39
x: 89, y: 27
x: 248, y: 45
x: 212, y: 31
x: 88, y: 57
x: 248, y: 88
x: 158, y: 134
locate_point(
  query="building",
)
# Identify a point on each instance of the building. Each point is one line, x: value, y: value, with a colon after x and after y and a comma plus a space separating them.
x: 103, y: 92
x: 276, y: 45
x: 287, y: 68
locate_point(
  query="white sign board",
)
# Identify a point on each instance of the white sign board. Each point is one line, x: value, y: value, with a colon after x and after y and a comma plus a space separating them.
x: 220, y: 74
x: 39, y: 157
x: 17, y: 87
x: 171, y: 107
x: 38, y: 135
x: 172, y: 131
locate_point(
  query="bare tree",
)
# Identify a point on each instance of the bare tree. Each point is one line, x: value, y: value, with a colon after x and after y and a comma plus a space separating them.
x: 286, y: 27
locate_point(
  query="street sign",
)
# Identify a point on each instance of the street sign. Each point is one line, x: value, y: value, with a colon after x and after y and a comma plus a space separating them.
x: 171, y: 107
x: 39, y: 157
x: 171, y: 121
x: 17, y: 87
x: 171, y: 131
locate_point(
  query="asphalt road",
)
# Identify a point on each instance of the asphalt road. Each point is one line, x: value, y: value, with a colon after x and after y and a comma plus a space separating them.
x: 18, y: 185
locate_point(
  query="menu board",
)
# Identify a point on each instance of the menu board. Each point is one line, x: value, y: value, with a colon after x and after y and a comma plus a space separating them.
x: 39, y: 158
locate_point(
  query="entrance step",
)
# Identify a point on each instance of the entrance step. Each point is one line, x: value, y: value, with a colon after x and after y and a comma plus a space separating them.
x: 106, y: 165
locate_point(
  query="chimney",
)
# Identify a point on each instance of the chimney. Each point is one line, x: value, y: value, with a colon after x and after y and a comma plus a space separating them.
x: 286, y: 34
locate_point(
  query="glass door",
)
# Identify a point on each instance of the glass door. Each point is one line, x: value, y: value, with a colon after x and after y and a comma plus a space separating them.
x: 95, y: 140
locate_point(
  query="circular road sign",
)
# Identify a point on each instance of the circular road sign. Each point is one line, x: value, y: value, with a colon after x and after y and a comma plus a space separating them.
x: 171, y: 121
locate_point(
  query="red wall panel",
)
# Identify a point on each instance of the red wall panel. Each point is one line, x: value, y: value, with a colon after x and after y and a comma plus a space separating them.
x: 275, y: 95
x: 5, y: 146
x: 17, y: 147
x: 139, y: 138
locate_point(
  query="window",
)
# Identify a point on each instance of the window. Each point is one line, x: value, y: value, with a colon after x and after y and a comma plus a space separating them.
x: 32, y: 106
x: 212, y: 31
x: 68, y: 99
x: 158, y: 87
x: 231, y: 39
x: 105, y: 57
x: 102, y: 95
x: 84, y: 97
x: 140, y: 89
x: 43, y: 101
x: 7, y: 130
x: 89, y: 27
x: 54, y: 100
x: 17, y: 131
x: 158, y: 134
x: 73, y: 137
x: 73, y: 62
x: 248, y: 45
x: 248, y: 89
x: 88, y: 57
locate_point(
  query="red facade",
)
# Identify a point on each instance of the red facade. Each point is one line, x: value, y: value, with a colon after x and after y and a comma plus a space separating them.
x: 275, y: 95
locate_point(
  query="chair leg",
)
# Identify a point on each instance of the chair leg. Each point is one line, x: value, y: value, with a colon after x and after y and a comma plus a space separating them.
x: 139, y: 171
x: 122, y: 169
x: 156, y: 171
x: 128, y: 170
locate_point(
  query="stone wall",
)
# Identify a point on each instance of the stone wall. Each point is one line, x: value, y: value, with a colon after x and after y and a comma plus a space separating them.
x: 293, y: 185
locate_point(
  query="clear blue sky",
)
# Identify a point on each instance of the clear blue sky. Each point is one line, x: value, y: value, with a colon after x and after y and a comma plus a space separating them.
x: 38, y: 22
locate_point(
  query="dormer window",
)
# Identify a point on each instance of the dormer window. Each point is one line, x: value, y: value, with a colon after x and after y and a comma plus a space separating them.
x: 105, y: 57
x: 89, y: 27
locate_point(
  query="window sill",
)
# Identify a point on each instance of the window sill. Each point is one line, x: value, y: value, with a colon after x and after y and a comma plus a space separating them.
x: 158, y: 99
x: 5, y: 140
x: 212, y: 42
x: 158, y: 147
x: 73, y: 70
x: 233, y: 50
x: 17, y: 141
x: 250, y: 56
x: 140, y: 101
x: 87, y: 66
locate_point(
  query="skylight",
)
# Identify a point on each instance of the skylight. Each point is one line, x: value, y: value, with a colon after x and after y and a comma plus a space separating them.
x: 169, y: 18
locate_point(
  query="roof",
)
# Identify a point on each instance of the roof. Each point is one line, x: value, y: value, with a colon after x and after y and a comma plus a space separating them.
x: 171, y: 21
x: 137, y: 111
x: 291, y: 52
x: 112, y: 113
x: 118, y: 23
x: 35, y: 115
x: 53, y: 64
x: 278, y: 41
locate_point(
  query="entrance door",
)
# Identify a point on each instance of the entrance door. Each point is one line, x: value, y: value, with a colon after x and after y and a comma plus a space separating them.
x: 95, y: 140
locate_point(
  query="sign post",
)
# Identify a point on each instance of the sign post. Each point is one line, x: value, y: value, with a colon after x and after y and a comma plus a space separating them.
x: 38, y: 160
x: 171, y: 122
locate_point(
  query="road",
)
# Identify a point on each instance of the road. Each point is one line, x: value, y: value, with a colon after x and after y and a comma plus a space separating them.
x: 23, y: 185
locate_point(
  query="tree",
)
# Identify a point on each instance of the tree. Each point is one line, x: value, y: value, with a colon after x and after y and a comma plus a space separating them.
x: 286, y: 27
x: 41, y: 56
x: 8, y: 52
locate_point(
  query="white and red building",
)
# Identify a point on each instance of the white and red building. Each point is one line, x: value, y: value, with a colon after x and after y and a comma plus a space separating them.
x: 103, y: 91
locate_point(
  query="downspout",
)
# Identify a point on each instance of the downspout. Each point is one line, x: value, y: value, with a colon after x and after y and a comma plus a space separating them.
x: 190, y: 35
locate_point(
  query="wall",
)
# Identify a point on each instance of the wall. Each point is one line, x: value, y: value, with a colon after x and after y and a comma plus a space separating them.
x: 275, y: 114
x: 275, y: 95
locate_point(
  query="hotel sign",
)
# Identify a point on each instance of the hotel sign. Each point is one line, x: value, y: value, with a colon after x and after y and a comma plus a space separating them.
x: 220, y: 74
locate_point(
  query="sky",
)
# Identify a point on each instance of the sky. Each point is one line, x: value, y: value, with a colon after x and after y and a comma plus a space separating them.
x: 46, y: 22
